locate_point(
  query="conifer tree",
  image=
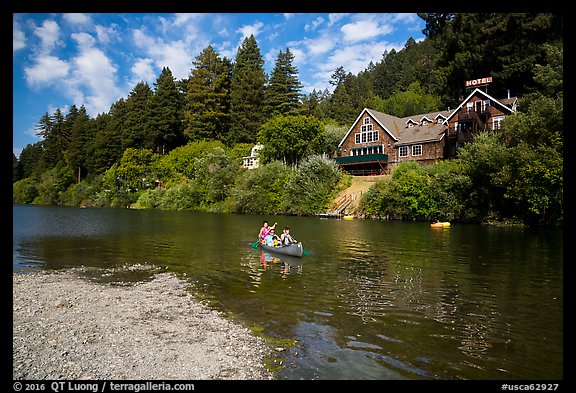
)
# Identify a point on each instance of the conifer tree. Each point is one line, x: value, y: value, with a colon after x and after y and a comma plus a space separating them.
x: 283, y: 92
x: 247, y: 93
x: 79, y: 128
x: 56, y: 137
x: 342, y: 108
x: 206, y: 115
x: 136, y: 131
x: 107, y: 146
x: 166, y: 113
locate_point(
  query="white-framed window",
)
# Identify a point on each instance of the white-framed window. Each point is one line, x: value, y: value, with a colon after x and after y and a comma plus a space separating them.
x: 366, y: 128
x: 403, y: 151
x: 367, y: 133
x: 417, y: 150
x: 497, y: 122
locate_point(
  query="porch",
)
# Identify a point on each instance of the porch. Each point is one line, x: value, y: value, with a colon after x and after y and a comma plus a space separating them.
x: 363, y: 165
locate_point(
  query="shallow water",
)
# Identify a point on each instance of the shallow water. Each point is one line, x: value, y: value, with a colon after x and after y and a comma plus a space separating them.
x: 373, y: 300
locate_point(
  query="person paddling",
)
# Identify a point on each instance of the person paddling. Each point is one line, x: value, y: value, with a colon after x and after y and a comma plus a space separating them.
x: 286, y: 238
x: 265, y: 230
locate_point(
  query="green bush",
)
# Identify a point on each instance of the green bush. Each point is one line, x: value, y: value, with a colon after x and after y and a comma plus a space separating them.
x: 25, y: 190
x: 415, y: 191
x: 313, y: 186
x: 262, y: 190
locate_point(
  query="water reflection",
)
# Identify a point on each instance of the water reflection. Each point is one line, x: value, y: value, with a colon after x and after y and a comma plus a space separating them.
x: 286, y: 263
x: 380, y: 300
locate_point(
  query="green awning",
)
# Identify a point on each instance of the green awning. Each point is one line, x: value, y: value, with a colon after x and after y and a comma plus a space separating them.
x: 363, y: 159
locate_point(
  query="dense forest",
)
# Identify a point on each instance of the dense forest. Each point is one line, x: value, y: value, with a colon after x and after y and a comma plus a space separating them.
x: 178, y: 144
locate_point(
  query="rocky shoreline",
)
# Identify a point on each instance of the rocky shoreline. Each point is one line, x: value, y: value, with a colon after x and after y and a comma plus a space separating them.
x: 68, y: 327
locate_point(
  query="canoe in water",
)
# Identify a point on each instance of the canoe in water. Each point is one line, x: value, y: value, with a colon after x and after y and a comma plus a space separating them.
x: 440, y: 225
x: 295, y: 250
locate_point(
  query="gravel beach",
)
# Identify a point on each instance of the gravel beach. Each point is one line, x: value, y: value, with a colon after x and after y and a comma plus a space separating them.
x: 68, y: 327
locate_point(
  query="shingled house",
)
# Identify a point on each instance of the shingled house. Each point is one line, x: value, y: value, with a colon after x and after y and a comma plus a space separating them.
x: 378, y: 141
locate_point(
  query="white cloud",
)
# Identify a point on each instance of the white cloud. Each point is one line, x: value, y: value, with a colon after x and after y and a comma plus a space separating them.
x: 18, y: 37
x: 320, y: 45
x: 253, y: 29
x: 364, y: 29
x: 406, y: 18
x: 183, y: 19
x: 46, y: 70
x: 94, y: 73
x: 226, y: 50
x: 77, y: 19
x: 48, y: 33
x: 314, y: 25
x: 299, y: 56
x: 104, y: 34
x: 355, y: 58
x: 174, y: 55
x: 333, y: 18
x: 142, y: 70
x: 84, y: 40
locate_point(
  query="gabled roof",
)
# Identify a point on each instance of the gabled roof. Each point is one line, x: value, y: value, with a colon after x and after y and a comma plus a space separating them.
x: 508, y: 104
x: 421, y: 134
x: 385, y: 121
x: 398, y: 128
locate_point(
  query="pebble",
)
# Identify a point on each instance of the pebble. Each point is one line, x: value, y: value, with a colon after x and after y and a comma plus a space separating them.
x: 67, y: 327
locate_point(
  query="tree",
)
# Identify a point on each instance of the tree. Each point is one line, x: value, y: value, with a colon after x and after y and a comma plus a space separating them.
x: 207, y: 99
x: 136, y: 131
x: 533, y: 177
x: 247, y: 90
x: 106, y: 147
x: 76, y: 154
x: 166, y: 113
x: 503, y: 45
x: 56, y: 137
x: 15, y: 174
x: 410, y: 102
x: 283, y: 91
x: 290, y: 138
x: 30, y: 162
x: 339, y: 76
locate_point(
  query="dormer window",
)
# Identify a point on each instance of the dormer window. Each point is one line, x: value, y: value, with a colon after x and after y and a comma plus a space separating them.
x: 425, y: 122
x: 411, y: 123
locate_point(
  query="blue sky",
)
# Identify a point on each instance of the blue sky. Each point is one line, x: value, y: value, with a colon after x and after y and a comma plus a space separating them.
x: 95, y: 59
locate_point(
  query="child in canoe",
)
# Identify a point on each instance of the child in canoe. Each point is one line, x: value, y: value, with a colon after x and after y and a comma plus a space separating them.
x: 272, y: 239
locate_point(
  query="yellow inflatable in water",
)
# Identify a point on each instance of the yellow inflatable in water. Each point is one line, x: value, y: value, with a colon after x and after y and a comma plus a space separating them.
x: 440, y: 225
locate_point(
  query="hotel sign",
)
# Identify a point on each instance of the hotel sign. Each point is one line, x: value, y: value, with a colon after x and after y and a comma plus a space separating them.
x: 479, y: 81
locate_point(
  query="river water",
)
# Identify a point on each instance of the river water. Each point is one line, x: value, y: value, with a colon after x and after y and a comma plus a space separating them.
x: 371, y: 300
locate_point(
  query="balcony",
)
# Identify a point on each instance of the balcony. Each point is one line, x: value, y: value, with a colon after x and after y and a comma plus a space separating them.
x: 362, y: 159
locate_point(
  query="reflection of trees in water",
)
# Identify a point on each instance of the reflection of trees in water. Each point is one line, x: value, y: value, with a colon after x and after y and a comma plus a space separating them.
x: 408, y: 295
